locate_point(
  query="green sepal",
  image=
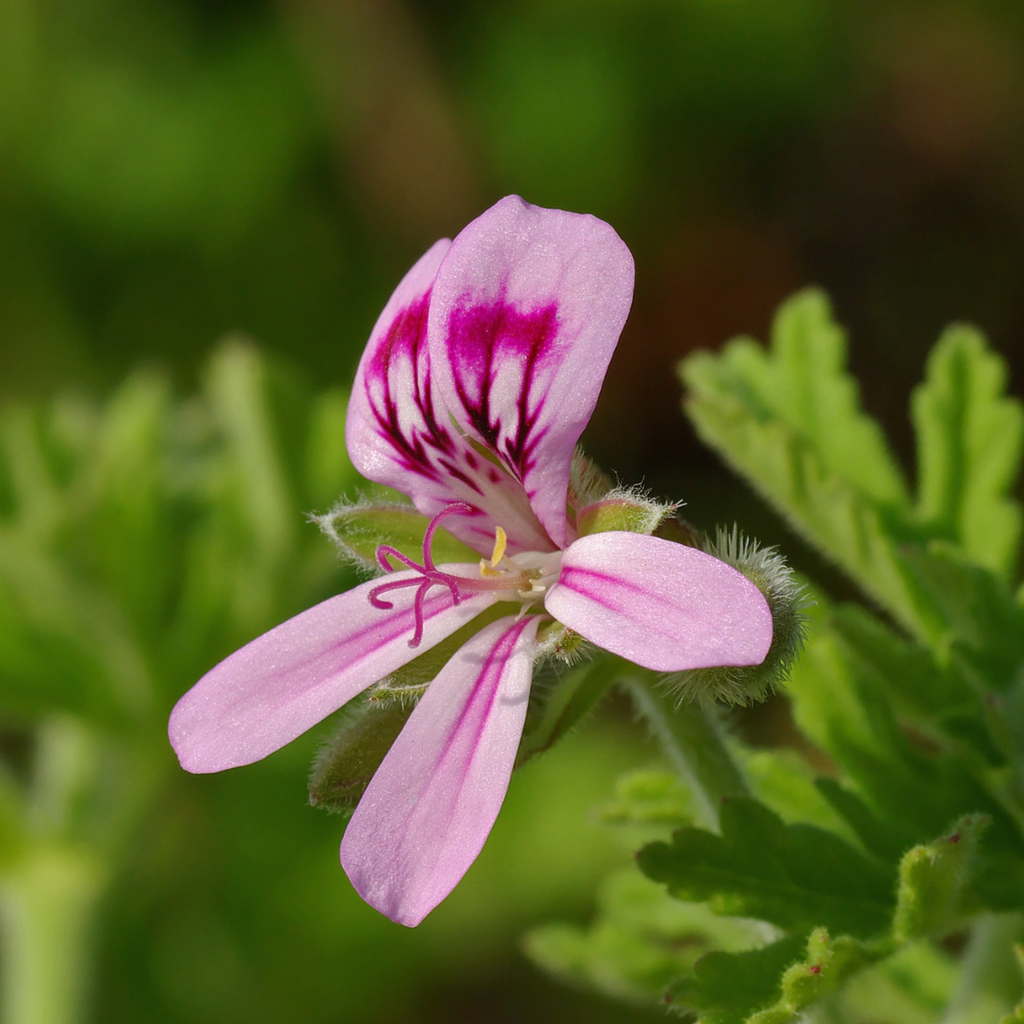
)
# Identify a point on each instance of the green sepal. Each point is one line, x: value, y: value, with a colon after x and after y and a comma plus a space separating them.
x: 794, y: 876
x: 935, y: 893
x: 345, y: 764
x: 624, y: 510
x: 358, y: 530
x: 559, y: 701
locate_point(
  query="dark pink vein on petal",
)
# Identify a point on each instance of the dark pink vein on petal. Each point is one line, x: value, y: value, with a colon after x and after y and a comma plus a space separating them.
x: 611, y: 591
x: 426, y: 448
x: 487, y: 687
x: 485, y: 339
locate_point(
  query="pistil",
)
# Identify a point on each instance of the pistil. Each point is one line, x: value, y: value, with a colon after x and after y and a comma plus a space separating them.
x: 497, y: 573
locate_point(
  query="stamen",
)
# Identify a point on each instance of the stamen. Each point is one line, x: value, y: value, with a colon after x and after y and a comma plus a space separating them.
x: 500, y: 543
x: 490, y: 570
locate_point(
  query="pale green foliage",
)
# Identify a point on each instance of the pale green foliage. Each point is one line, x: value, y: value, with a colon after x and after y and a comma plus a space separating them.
x: 909, y: 707
x: 142, y: 539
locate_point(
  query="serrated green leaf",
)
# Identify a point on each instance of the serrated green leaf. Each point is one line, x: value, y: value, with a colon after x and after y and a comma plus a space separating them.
x: 726, y: 988
x: 977, y: 609
x: 794, y: 876
x: 935, y: 882
x: 841, y: 703
x: 827, y: 965
x: 784, y: 781
x: 970, y: 438
x: 803, y: 384
x: 789, y: 422
x: 639, y: 941
x: 872, y: 833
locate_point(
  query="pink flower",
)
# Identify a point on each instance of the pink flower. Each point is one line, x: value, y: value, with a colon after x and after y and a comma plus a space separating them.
x: 476, y: 384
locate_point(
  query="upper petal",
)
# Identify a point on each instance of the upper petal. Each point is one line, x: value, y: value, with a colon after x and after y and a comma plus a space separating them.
x: 398, y: 432
x: 428, y: 810
x: 662, y: 605
x: 526, y: 311
x: 285, y: 681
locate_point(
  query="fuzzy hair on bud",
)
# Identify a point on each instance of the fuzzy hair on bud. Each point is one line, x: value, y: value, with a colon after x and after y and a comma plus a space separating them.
x: 624, y: 508
x: 787, y: 599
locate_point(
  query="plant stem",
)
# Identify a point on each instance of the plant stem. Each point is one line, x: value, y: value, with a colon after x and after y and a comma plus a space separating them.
x: 694, y: 742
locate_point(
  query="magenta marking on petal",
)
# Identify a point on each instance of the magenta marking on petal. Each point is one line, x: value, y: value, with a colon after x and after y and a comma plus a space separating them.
x: 485, y: 340
x: 495, y: 660
x: 603, y: 586
x: 416, y: 445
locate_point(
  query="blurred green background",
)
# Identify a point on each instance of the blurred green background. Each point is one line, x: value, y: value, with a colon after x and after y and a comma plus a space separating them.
x: 175, y: 171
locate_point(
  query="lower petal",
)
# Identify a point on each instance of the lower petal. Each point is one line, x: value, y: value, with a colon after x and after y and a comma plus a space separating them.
x: 427, y: 812
x: 285, y: 681
x: 662, y: 605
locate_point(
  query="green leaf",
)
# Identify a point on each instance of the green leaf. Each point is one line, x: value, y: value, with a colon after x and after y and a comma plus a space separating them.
x: 872, y: 833
x: 648, y: 801
x: 788, y: 421
x: 803, y: 384
x: 970, y: 438
x: 640, y: 941
x: 827, y: 965
x: 784, y: 781
x: 935, y: 890
x: 795, y: 876
x: 914, y: 678
x: 726, y: 988
x: 841, y: 700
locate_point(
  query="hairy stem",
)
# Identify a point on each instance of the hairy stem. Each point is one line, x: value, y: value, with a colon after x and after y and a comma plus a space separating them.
x: 694, y: 743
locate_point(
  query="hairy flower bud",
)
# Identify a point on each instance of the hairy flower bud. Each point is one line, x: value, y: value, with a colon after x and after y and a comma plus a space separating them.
x: 788, y: 601
x: 623, y: 509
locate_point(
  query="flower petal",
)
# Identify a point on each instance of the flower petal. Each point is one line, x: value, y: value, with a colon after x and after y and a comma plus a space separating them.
x: 662, y: 605
x: 525, y: 314
x: 398, y: 434
x: 285, y: 681
x: 427, y: 812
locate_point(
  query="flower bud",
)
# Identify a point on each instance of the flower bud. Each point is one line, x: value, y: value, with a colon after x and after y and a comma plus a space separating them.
x: 623, y: 509
x: 787, y: 601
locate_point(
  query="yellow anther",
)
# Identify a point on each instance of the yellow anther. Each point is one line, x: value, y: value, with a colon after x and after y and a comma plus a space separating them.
x: 500, y: 543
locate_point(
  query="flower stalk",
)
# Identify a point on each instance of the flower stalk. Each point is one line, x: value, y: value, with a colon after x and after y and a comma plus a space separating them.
x: 693, y: 740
